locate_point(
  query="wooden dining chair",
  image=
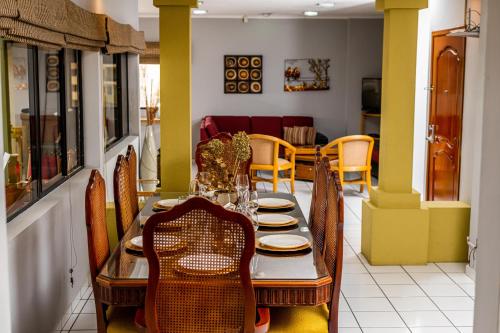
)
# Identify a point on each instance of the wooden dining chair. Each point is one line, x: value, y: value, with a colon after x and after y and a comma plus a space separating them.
x: 213, y: 294
x: 123, y: 200
x: 109, y: 319
x: 324, y: 318
x: 135, y: 183
x: 228, y: 158
x: 355, y: 155
x: 317, y: 217
x: 266, y: 157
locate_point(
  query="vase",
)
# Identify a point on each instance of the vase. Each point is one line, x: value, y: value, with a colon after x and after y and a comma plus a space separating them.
x: 148, y: 166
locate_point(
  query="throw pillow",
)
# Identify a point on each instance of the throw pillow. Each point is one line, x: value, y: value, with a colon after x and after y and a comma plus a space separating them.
x: 311, y: 136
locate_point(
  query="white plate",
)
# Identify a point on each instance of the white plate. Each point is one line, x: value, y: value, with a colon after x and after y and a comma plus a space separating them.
x: 283, y: 241
x: 169, y: 203
x: 206, y: 262
x: 274, y: 203
x: 137, y: 241
x: 275, y: 219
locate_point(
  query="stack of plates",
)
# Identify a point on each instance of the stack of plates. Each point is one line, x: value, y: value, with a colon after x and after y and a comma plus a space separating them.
x: 275, y: 203
x: 283, y: 243
x: 134, y: 244
x: 166, y: 204
x: 276, y: 220
x: 206, y: 264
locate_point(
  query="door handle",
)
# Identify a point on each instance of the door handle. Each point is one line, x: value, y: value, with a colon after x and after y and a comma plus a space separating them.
x: 431, y: 133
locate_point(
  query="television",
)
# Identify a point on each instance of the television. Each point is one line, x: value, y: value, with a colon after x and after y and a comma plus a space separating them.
x: 371, y: 94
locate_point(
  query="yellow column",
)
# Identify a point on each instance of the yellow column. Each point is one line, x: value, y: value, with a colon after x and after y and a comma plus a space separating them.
x: 175, y: 93
x: 395, y: 227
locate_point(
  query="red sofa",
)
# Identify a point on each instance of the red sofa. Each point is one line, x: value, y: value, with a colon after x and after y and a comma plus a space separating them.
x: 211, y: 125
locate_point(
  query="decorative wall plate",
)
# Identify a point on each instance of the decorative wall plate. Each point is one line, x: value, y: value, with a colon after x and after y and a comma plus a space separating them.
x: 243, y: 74
x: 243, y: 87
x: 256, y: 74
x: 256, y: 62
x: 230, y: 62
x: 231, y: 87
x: 230, y: 74
x: 255, y: 87
x: 243, y: 62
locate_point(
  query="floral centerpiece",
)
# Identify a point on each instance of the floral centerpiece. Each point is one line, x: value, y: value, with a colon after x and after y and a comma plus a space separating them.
x: 225, y: 160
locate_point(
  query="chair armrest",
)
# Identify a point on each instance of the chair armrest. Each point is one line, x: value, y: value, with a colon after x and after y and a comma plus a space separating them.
x: 330, y: 145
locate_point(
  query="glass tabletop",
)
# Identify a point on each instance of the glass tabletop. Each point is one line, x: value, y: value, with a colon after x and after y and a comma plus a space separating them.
x: 123, y: 265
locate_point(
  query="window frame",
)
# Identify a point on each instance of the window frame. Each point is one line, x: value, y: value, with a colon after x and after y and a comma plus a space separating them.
x: 122, y: 119
x: 35, y: 127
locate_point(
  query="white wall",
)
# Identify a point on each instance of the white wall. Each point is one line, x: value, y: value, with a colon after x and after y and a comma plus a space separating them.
x: 487, y: 300
x: 448, y: 14
x: 354, y: 47
x: 49, y: 238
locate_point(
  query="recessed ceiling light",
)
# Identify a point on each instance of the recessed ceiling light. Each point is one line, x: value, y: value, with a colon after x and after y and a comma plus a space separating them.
x: 310, y: 13
x: 198, y: 11
x: 267, y: 14
x: 326, y: 4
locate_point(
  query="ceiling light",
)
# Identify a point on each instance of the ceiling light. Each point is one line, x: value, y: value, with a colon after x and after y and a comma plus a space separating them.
x: 326, y: 4
x: 310, y: 13
x: 199, y: 11
x: 267, y: 14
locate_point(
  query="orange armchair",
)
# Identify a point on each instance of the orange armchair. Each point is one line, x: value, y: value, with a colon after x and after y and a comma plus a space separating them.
x: 265, y: 157
x: 355, y: 155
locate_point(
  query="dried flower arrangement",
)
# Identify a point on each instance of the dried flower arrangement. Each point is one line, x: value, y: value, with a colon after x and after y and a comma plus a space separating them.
x: 224, y: 159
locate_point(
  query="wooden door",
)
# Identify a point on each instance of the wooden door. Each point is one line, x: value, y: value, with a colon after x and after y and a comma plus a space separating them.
x: 445, y: 118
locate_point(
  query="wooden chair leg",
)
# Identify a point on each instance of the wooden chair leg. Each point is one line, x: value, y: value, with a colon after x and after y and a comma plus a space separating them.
x: 369, y: 180
x: 292, y: 180
x: 333, y: 323
x: 101, y: 317
x: 275, y: 180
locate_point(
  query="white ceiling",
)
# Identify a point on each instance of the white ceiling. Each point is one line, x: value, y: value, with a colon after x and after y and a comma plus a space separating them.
x: 278, y: 8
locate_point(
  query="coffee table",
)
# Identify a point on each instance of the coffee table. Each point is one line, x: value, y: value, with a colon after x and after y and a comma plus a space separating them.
x: 304, y: 161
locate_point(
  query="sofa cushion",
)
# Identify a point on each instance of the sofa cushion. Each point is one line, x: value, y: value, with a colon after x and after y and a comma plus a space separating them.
x: 211, y: 126
x: 291, y: 121
x: 267, y: 125
x: 232, y: 124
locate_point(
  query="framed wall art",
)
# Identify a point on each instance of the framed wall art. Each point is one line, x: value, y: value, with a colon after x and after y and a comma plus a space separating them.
x: 243, y: 74
x: 306, y: 74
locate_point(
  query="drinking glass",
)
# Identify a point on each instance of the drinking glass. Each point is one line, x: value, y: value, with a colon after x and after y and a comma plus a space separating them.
x: 193, y: 188
x: 203, y: 182
x: 242, y: 182
x: 253, y: 207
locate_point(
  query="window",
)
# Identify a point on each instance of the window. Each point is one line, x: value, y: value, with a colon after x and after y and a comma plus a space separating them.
x: 43, y: 121
x: 115, y: 92
x: 149, y: 84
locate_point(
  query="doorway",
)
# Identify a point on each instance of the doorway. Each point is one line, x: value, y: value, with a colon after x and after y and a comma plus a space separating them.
x: 445, y: 118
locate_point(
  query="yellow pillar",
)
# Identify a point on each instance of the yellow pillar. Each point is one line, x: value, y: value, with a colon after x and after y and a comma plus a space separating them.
x: 175, y: 93
x: 395, y: 228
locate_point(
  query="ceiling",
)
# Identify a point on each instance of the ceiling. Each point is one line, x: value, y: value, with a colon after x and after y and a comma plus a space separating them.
x: 278, y: 8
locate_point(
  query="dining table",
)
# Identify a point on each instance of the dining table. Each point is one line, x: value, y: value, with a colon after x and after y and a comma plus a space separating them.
x: 279, y: 279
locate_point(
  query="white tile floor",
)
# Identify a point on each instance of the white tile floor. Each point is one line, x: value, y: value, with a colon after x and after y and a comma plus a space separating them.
x: 436, y: 298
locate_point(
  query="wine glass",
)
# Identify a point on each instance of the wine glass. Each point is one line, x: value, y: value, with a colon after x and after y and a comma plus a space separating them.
x: 242, y: 186
x: 203, y: 182
x: 242, y: 182
x: 253, y: 207
x: 193, y: 188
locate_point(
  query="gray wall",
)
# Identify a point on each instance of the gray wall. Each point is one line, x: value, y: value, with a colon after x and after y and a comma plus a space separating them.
x: 354, y: 47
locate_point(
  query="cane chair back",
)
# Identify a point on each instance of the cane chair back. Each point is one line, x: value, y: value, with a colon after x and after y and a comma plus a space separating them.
x: 228, y: 159
x: 317, y: 161
x: 123, y: 201
x: 334, y: 241
x: 214, y: 294
x: 95, y: 217
x: 97, y: 237
x: 319, y: 205
x: 131, y: 158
